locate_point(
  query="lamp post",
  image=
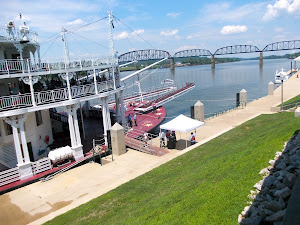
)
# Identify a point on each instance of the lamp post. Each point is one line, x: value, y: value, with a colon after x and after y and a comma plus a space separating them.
x: 281, y: 94
x: 282, y: 78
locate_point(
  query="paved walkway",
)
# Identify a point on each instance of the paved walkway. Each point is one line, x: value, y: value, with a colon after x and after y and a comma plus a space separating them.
x: 40, y: 202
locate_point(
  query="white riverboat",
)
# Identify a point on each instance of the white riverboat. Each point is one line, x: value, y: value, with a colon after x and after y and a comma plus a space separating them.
x: 32, y: 89
x: 281, y: 76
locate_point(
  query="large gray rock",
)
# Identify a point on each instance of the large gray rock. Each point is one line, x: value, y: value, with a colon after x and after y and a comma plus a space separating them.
x: 268, y: 212
x: 246, y: 221
x: 283, y: 193
x: 254, y: 220
x: 293, y: 151
x: 295, y: 158
x: 280, y: 165
x: 289, y: 180
x: 253, y: 210
x: 282, y: 202
x: 279, y: 178
x: 276, y: 216
x: 291, y: 167
x: 275, y: 206
x: 268, y: 181
x: 279, y: 185
x: 269, y: 198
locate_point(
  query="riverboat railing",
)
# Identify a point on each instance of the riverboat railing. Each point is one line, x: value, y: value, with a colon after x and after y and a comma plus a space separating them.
x: 9, y: 176
x: 52, y: 96
x: 167, y: 97
x: 15, y: 34
x: 14, y: 66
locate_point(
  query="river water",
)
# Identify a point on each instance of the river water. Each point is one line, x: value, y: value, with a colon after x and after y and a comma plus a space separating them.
x: 217, y: 88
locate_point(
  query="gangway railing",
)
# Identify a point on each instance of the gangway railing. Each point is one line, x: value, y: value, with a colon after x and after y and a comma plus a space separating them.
x: 134, y: 138
x: 51, y: 96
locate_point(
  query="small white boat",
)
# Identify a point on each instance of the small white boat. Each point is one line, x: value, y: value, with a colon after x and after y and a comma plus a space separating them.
x: 281, y: 77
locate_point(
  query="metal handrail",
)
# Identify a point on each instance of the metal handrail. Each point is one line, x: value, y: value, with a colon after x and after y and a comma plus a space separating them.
x: 13, y: 66
x: 222, y: 112
x: 51, y: 96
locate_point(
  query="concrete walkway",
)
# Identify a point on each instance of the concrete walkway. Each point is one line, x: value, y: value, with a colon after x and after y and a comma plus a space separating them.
x: 40, y: 202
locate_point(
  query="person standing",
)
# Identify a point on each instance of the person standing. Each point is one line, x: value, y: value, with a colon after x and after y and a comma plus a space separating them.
x: 168, y: 135
x: 154, y: 107
x: 129, y: 120
x: 134, y: 118
x: 174, y: 135
x: 146, y: 138
x: 162, y: 139
x: 10, y: 27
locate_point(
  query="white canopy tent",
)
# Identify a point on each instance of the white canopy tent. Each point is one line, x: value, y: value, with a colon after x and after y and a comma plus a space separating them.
x: 183, y: 124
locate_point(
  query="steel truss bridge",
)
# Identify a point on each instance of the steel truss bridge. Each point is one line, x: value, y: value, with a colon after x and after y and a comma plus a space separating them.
x: 148, y: 54
x: 154, y: 54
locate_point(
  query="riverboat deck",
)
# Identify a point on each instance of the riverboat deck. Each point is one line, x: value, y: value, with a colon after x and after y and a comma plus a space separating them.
x: 146, y: 122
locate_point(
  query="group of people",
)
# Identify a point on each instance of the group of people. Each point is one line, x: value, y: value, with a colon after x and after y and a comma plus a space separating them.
x: 132, y: 119
x: 169, y: 134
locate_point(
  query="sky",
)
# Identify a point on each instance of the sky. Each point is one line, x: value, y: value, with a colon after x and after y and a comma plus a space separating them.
x: 146, y: 24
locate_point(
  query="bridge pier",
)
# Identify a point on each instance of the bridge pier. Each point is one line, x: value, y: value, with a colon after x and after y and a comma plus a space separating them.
x: 260, y: 59
x: 213, y: 61
x: 172, y: 64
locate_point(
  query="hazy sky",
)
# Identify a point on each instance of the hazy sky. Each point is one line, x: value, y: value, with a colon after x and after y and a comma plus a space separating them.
x: 168, y: 25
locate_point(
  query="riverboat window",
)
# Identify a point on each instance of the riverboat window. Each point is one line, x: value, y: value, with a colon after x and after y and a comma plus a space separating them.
x: 8, y: 129
x: 38, y: 118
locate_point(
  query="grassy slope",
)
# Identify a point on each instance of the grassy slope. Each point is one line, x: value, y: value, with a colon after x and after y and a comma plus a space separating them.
x: 208, y: 185
x: 293, y: 100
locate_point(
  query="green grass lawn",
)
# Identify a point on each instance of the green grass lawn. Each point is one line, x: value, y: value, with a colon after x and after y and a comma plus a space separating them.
x: 208, y: 185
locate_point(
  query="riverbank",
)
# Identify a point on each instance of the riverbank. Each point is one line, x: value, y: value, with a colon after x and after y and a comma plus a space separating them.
x: 41, y: 202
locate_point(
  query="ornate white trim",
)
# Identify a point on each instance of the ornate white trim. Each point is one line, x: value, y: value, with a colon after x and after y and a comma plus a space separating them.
x: 26, y: 80
x: 65, y: 76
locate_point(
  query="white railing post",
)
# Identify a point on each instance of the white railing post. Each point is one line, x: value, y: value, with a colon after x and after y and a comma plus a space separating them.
x: 28, y: 66
x: 32, y: 90
x: 39, y: 98
x: 7, y: 68
x: 68, y: 86
x: 22, y: 65
x: 66, y: 93
x: 95, y: 82
x: 52, y: 94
